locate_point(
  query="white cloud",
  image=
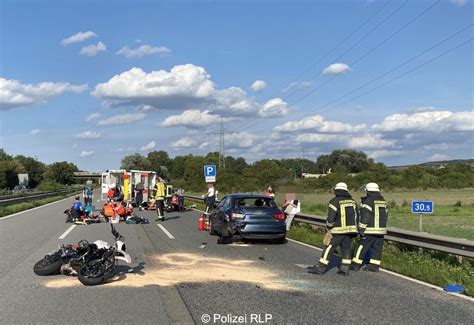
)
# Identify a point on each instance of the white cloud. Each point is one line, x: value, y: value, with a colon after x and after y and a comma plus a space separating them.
x: 242, y: 140
x: 317, y: 123
x: 79, y: 37
x: 122, y: 119
x: 297, y: 86
x: 192, y: 118
x: 459, y: 3
x: 317, y: 138
x: 128, y: 149
x: 439, y: 156
x: 383, y: 153
x: 143, y: 50
x: 370, y: 141
x: 93, y: 50
x: 431, y: 121
x: 184, y: 87
x: 185, y: 143
x: 35, y: 131
x: 149, y: 146
x: 15, y: 94
x: 275, y: 107
x: 88, y: 135
x: 183, y: 82
x: 258, y: 85
x: 93, y: 116
x: 337, y: 68
x: 85, y: 154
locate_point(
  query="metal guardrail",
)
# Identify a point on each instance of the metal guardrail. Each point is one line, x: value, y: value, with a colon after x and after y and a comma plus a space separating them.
x: 459, y: 247
x: 29, y: 197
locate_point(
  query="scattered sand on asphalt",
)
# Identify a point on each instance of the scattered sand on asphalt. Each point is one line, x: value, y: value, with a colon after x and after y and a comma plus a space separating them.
x: 181, y: 268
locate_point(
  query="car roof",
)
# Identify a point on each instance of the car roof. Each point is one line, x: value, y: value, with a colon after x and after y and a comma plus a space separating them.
x: 248, y: 195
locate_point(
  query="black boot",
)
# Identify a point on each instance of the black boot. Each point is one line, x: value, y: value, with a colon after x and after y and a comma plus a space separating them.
x: 355, y: 267
x: 317, y: 269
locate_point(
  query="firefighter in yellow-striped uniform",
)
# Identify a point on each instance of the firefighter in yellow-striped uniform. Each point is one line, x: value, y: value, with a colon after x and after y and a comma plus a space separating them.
x: 372, y: 227
x: 341, y: 222
x: 160, y: 199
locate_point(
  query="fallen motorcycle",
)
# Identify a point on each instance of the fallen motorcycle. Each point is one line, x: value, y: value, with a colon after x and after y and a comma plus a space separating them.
x: 93, y: 263
x: 102, y: 264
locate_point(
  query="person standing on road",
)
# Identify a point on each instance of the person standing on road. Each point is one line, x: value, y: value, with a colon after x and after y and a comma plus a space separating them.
x: 341, y: 223
x: 210, y: 197
x: 160, y: 199
x: 180, y: 192
x: 88, y: 193
x: 372, y: 227
x: 139, y: 195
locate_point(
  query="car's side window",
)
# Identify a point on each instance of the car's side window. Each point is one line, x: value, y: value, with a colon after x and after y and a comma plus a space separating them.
x: 224, y: 203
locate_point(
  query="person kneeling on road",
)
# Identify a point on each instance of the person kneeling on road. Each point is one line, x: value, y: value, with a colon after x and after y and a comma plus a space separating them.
x: 77, y: 209
x: 372, y: 228
x: 341, y: 222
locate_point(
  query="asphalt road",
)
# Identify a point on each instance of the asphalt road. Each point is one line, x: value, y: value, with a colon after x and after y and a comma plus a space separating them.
x: 181, y: 275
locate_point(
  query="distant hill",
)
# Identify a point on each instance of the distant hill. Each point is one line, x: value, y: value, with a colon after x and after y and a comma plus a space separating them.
x: 436, y: 164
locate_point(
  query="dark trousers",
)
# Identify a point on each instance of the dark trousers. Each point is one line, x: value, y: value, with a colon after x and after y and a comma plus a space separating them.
x: 210, y: 203
x: 181, y: 203
x: 344, y: 241
x: 87, y: 201
x: 139, y: 198
x: 371, y: 245
x: 160, y: 208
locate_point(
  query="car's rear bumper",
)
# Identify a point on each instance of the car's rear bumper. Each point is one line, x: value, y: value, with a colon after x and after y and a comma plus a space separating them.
x: 263, y: 235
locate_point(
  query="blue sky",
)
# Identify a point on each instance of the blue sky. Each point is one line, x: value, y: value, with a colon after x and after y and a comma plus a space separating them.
x: 92, y: 81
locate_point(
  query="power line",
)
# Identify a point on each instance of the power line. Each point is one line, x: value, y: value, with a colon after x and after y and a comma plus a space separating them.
x: 403, y: 74
x: 374, y: 48
x: 397, y: 67
x: 335, y: 47
x: 368, y: 52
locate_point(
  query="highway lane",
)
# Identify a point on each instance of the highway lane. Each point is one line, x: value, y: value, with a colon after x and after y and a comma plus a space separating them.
x: 190, y: 275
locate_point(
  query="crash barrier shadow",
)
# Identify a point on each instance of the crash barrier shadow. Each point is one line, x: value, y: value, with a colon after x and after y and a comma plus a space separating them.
x: 458, y: 247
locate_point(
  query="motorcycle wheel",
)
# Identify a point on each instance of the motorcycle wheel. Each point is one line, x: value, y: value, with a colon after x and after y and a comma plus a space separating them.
x: 49, y: 265
x: 96, y: 272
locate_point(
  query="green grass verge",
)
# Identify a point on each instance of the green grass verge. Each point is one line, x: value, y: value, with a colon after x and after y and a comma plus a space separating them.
x: 18, y: 207
x: 429, y: 266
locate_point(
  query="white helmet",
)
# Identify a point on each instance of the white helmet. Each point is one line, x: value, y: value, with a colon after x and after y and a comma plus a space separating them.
x: 372, y: 187
x: 341, y: 186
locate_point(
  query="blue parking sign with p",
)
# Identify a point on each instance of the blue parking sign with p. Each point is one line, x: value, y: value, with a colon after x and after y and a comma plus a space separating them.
x: 210, y: 173
x: 210, y: 170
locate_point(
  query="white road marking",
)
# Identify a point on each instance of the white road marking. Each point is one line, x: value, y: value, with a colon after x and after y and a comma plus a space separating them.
x: 67, y: 232
x: 429, y: 285
x: 39, y: 207
x: 170, y: 236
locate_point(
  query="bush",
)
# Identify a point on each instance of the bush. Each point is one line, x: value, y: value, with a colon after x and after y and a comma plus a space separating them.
x: 458, y: 204
x: 46, y: 186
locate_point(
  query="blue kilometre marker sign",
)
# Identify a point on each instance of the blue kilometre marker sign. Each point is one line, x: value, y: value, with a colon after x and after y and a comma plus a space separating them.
x: 422, y: 206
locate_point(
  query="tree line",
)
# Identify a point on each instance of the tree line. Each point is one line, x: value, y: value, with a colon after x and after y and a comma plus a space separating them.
x: 345, y: 165
x: 40, y: 175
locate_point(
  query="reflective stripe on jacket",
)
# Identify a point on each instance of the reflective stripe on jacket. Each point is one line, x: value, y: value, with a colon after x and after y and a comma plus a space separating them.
x: 373, y: 214
x: 342, y: 214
